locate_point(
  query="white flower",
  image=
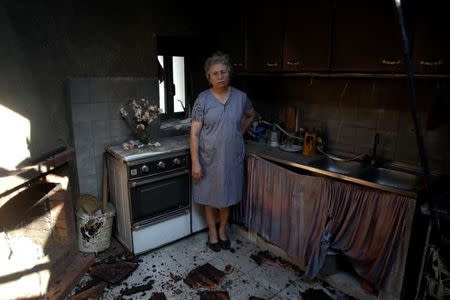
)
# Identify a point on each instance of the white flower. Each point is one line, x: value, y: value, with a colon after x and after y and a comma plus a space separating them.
x: 142, y: 114
x: 123, y: 112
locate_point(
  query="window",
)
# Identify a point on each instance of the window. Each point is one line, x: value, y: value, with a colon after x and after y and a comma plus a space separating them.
x: 180, y: 73
x: 172, y: 85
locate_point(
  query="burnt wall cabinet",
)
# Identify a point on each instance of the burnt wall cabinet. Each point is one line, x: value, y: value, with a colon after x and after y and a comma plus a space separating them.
x: 307, y: 35
x: 431, y: 47
x: 264, y: 37
x: 367, y: 37
x: 232, y: 40
x: 289, y: 36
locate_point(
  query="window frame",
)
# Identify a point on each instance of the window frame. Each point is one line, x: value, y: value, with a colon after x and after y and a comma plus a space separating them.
x: 168, y: 47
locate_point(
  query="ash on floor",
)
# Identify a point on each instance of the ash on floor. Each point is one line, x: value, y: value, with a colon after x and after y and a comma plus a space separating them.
x: 167, y: 266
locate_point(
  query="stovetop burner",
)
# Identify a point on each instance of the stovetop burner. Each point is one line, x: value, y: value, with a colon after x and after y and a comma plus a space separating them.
x: 169, y: 145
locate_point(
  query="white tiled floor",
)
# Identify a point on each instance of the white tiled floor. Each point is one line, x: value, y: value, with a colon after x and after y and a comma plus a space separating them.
x: 268, y: 281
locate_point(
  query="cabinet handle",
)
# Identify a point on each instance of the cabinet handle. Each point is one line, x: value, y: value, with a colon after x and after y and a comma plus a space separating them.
x: 390, y: 62
x: 237, y: 65
x: 431, y: 63
x: 293, y: 62
x: 272, y: 65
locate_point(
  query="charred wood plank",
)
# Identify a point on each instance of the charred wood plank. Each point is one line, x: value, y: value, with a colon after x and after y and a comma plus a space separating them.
x: 137, y: 289
x: 204, y: 276
x: 214, y: 295
x: 158, y: 296
x: 113, y: 273
x: 94, y: 291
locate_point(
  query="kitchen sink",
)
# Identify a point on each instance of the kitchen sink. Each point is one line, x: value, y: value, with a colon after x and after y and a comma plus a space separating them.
x: 395, y: 178
x: 351, y: 168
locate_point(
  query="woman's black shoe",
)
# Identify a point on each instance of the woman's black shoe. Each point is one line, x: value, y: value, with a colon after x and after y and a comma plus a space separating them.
x: 225, y: 245
x: 214, y: 246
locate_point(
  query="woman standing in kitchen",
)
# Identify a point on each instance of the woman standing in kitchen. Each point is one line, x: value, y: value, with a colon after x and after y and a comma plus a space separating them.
x: 220, y: 117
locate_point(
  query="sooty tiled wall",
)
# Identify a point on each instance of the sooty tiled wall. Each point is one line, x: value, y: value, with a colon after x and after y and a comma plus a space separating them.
x: 348, y: 113
x: 96, y: 122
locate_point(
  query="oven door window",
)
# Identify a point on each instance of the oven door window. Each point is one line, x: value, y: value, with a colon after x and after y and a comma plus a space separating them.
x: 153, y: 198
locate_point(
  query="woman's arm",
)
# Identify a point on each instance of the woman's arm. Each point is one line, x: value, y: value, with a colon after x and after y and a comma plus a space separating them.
x: 247, y: 120
x: 196, y: 171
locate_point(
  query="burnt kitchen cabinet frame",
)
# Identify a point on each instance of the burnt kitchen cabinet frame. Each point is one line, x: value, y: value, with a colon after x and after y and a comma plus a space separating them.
x: 343, y: 37
x: 264, y: 24
x: 289, y: 36
x: 307, y: 38
x: 367, y: 37
x: 431, y: 46
x: 232, y: 40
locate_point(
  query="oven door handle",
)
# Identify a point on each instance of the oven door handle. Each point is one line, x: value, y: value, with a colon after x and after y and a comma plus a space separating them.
x: 136, y: 183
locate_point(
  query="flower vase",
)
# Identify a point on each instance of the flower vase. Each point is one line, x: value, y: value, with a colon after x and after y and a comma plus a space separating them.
x: 143, y: 137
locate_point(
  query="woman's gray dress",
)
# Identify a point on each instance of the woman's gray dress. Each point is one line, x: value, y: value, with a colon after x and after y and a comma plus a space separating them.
x: 221, y: 148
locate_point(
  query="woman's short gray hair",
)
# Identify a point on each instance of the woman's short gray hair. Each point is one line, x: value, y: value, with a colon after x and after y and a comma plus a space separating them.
x: 217, y: 58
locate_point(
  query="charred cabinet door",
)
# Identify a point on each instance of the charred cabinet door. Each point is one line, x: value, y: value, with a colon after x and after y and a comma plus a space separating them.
x: 367, y: 37
x: 265, y: 37
x: 307, y: 35
x: 431, y: 51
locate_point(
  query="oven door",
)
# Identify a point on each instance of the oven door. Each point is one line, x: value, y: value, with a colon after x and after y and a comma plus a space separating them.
x: 158, y: 197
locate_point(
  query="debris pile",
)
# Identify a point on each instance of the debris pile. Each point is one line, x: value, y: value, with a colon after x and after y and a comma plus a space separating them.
x: 111, y: 270
x: 267, y: 257
x: 214, y: 295
x: 205, y: 276
x: 158, y: 296
x: 315, y: 294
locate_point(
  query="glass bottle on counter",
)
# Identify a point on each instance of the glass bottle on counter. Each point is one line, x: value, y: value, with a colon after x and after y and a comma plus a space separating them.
x: 301, y: 136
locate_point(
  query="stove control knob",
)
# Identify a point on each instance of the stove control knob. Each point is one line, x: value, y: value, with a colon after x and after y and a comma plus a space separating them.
x: 145, y: 169
x: 176, y: 162
x: 161, y: 165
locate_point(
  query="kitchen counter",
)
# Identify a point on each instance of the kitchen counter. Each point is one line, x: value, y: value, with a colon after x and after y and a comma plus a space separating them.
x: 298, y: 160
x: 293, y: 159
x: 168, y: 145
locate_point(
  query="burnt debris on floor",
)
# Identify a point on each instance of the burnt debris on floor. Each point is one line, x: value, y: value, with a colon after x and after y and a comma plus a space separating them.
x: 104, y: 272
x: 158, y: 296
x: 138, y: 288
x: 188, y: 270
x: 313, y: 294
x: 205, y: 276
x: 326, y: 292
x: 266, y: 256
x: 214, y: 295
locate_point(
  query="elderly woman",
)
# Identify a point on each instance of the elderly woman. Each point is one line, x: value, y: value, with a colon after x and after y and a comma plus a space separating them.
x: 220, y: 116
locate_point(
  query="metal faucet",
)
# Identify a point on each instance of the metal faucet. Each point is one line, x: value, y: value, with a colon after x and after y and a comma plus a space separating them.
x: 376, y: 141
x: 186, y: 108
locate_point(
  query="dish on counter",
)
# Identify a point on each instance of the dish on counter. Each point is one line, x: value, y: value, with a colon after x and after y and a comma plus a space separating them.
x: 291, y: 148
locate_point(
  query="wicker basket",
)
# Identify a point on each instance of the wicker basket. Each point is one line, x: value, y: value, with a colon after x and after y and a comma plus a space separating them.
x: 94, y: 232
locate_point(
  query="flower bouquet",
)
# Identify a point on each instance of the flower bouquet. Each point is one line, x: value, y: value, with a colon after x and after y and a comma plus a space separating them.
x: 139, y: 114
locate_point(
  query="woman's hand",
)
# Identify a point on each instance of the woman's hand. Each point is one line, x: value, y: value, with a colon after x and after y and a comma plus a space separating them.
x: 196, y: 173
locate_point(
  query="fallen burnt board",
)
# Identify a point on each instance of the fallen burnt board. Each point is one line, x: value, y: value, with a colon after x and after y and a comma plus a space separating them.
x: 158, y: 296
x: 214, y: 295
x: 266, y: 256
x: 313, y: 294
x: 113, y: 273
x: 204, y: 276
x: 137, y: 289
x: 94, y: 291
